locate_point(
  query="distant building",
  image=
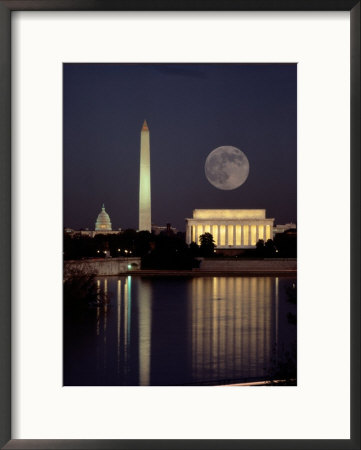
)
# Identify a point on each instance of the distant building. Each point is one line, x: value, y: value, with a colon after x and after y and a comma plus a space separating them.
x: 103, y: 222
x: 156, y: 229
x: 282, y: 228
x: 103, y: 225
x: 230, y: 228
x: 92, y: 233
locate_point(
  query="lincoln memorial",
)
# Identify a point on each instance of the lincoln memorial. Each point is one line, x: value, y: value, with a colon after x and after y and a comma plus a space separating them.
x: 230, y: 228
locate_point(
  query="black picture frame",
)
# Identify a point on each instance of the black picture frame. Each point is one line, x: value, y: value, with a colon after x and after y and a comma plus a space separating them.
x: 6, y: 8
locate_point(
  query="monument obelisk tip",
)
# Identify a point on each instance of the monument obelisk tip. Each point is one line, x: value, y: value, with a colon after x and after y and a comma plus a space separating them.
x: 145, y: 126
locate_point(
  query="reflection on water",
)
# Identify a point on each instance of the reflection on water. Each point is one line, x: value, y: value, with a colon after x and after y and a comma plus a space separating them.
x: 174, y: 331
x: 144, y: 331
x: 233, y: 326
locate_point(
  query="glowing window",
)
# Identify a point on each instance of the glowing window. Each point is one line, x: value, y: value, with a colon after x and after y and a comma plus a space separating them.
x: 193, y: 233
x: 253, y: 234
x: 238, y: 234
x: 207, y: 229
x: 261, y: 232
x: 222, y: 235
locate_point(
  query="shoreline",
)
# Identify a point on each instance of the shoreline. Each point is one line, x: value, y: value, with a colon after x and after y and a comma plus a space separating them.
x: 250, y: 381
x: 208, y: 268
x: 212, y: 273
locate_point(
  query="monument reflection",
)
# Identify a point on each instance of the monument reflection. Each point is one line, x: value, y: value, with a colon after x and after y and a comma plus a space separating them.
x: 233, y: 326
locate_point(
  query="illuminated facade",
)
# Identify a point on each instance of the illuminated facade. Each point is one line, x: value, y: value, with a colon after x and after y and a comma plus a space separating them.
x: 92, y: 233
x: 145, y: 223
x: 103, y: 222
x: 230, y: 228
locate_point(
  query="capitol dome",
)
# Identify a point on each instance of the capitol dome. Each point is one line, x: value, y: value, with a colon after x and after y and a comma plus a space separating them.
x: 103, y: 222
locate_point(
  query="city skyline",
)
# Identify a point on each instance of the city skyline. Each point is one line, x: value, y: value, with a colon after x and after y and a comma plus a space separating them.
x: 191, y: 109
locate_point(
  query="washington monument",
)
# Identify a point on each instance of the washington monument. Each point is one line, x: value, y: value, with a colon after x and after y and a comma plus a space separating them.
x: 145, y: 222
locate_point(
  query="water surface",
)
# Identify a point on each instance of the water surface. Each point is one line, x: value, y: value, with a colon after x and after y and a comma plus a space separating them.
x: 183, y: 331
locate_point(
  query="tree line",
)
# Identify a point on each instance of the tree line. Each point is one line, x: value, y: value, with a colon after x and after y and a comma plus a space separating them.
x: 168, y: 250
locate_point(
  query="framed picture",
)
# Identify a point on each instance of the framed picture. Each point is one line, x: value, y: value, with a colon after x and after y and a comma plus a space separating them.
x: 169, y: 163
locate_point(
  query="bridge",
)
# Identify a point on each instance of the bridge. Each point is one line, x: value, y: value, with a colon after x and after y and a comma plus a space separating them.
x: 105, y: 266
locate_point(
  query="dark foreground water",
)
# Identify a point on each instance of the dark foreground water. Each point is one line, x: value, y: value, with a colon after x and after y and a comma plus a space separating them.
x: 176, y: 331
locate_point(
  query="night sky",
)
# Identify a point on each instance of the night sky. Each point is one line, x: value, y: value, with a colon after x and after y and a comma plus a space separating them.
x: 190, y: 109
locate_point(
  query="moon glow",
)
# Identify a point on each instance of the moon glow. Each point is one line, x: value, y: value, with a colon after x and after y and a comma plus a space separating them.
x: 226, y: 167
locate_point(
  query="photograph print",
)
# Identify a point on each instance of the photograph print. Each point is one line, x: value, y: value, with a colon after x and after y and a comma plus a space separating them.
x: 179, y: 224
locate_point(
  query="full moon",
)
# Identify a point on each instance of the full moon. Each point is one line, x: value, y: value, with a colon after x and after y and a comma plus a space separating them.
x: 226, y: 167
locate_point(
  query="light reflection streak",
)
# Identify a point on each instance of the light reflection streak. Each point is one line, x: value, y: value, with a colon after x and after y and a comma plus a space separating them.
x: 276, y: 314
x: 144, y: 330
x: 105, y: 307
x: 125, y: 324
x: 129, y: 307
x: 119, y: 306
x: 232, y: 326
x: 105, y: 323
x: 98, y: 310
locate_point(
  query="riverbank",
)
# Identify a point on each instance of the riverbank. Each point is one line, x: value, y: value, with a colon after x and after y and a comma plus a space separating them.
x: 207, y: 267
x: 292, y: 382
x: 210, y: 273
x: 231, y: 267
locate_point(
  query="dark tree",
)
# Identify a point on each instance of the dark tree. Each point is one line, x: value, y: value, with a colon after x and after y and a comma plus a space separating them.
x: 168, y: 251
x: 260, y: 248
x: 142, y: 243
x: 77, y: 247
x: 194, y: 249
x: 207, y: 244
x: 270, y: 249
x: 286, y: 244
x: 80, y: 288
